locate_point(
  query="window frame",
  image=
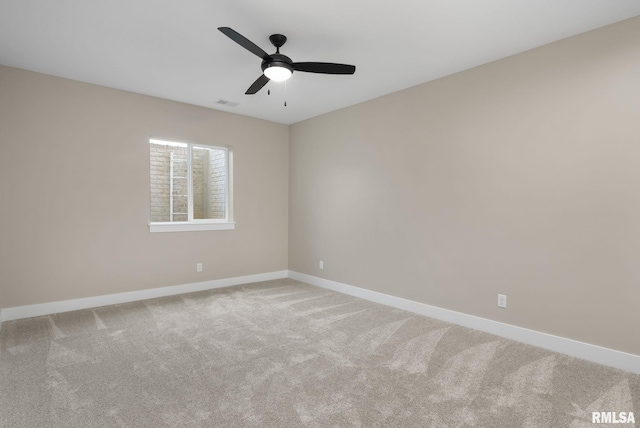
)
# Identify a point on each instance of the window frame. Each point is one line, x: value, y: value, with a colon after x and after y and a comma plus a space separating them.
x: 192, y: 224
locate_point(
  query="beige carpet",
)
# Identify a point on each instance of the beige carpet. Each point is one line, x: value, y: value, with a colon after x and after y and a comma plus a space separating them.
x: 286, y: 354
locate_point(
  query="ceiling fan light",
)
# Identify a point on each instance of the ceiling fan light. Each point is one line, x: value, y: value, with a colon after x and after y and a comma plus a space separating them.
x: 277, y: 73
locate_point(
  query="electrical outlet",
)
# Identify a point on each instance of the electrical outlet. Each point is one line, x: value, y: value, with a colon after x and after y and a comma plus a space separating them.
x: 198, y: 267
x: 502, y: 300
x: 321, y: 264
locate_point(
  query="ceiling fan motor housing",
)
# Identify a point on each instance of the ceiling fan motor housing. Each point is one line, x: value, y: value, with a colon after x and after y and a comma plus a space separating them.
x: 278, y: 60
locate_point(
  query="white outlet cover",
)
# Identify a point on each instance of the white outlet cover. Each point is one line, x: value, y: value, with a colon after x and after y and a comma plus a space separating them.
x: 502, y: 300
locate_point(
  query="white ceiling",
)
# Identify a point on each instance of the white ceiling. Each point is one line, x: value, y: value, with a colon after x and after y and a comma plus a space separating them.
x: 172, y: 49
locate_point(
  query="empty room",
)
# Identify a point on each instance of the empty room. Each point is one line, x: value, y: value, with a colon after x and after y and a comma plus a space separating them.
x: 333, y: 214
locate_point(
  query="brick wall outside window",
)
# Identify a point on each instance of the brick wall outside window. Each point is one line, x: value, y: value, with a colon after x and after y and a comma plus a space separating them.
x: 209, y: 183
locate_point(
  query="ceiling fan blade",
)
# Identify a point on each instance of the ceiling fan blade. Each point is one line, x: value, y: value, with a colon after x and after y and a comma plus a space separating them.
x: 257, y: 85
x: 324, y: 67
x: 244, y: 42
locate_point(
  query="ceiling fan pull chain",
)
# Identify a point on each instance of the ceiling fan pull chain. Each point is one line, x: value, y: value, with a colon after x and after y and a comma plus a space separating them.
x: 285, y: 93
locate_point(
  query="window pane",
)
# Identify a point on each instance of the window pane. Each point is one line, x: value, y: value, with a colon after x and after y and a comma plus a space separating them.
x: 209, y: 183
x: 168, y: 174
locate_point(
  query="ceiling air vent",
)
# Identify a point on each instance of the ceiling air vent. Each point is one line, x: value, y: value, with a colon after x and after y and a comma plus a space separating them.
x: 227, y: 103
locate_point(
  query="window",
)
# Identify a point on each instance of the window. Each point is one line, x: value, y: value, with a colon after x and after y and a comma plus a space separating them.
x: 190, y: 186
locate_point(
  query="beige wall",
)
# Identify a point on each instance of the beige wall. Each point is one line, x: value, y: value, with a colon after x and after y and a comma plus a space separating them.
x: 74, y: 192
x: 519, y: 177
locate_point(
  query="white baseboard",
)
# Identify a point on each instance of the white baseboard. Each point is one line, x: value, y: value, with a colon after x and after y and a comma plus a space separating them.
x: 7, y: 314
x: 597, y: 354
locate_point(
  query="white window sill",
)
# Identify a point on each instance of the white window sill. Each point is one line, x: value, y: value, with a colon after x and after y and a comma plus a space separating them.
x: 189, y: 226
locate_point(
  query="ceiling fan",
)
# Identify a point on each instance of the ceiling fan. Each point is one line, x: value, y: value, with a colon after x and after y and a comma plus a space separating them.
x: 279, y: 67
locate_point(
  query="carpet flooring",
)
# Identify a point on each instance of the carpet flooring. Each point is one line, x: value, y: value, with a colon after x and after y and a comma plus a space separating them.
x: 286, y: 354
